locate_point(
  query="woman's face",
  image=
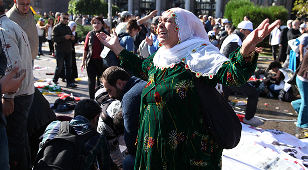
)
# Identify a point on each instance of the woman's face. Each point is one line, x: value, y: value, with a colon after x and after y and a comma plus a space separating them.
x: 135, y: 31
x: 74, y: 28
x: 50, y: 21
x: 154, y: 28
x: 97, y: 25
x: 167, y: 35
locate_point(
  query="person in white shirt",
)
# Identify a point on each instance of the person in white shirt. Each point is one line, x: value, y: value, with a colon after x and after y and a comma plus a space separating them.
x: 274, y: 39
x: 41, y: 33
x: 50, y: 25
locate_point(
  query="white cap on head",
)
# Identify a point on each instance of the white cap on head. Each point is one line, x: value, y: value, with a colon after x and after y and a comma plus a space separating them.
x: 225, y: 21
x: 245, y: 25
x: 125, y: 13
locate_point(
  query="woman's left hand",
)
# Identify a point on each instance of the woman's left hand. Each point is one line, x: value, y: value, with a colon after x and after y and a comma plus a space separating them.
x: 257, y: 36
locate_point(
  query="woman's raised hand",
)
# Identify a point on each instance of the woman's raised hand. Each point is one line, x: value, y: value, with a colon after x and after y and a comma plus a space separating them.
x: 257, y: 36
x: 111, y: 42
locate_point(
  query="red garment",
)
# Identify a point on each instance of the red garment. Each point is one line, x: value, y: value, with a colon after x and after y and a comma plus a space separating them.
x: 97, y: 48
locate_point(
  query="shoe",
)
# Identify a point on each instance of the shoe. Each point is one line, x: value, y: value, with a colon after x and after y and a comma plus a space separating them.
x: 71, y: 85
x: 254, y: 122
x: 63, y: 80
x: 41, y: 54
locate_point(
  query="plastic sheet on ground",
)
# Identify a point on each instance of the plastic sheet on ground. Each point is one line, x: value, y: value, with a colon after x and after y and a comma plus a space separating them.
x: 269, y: 149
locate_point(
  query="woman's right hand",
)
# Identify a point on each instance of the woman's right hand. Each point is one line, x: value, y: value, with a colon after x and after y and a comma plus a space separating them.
x: 82, y: 66
x: 149, y: 40
x: 111, y: 42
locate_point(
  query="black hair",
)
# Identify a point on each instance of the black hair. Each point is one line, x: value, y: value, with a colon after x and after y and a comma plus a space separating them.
x: 87, y: 108
x: 274, y: 64
x: 113, y: 73
x: 232, y: 27
x: 118, y: 123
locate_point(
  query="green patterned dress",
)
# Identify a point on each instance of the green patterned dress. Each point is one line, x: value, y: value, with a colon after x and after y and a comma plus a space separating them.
x: 170, y: 134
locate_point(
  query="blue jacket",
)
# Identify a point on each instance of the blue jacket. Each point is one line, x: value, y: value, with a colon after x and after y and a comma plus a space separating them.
x: 130, y: 101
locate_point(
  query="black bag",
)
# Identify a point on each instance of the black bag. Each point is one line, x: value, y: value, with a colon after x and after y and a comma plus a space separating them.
x: 286, y: 96
x: 218, y: 116
x: 65, y: 151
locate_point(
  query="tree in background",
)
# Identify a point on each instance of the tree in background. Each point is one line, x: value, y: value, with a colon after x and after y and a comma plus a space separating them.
x: 90, y: 7
x: 301, y: 8
x: 235, y: 11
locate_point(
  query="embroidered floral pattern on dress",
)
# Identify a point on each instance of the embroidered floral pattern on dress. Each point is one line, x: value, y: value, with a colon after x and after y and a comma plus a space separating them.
x: 247, y: 59
x: 145, y: 142
x: 158, y: 100
x: 231, y: 79
x: 203, y: 143
x: 175, y: 139
x: 151, y: 79
x: 164, y: 165
x: 200, y: 163
x: 148, y: 142
x: 151, y: 142
x: 182, y: 87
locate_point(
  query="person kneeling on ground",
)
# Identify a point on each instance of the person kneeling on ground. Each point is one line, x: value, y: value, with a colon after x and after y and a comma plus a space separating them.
x: 85, y: 121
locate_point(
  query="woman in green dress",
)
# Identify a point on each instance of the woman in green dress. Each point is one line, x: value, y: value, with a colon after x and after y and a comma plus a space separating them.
x: 170, y: 134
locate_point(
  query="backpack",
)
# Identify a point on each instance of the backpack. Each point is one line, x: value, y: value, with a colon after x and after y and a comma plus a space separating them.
x: 65, y: 151
x: 286, y: 96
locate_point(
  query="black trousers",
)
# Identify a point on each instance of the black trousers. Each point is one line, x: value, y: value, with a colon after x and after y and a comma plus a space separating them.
x: 95, y: 70
x: 252, y: 94
x: 274, y: 51
x: 51, y: 47
x: 64, y: 61
x: 282, y: 55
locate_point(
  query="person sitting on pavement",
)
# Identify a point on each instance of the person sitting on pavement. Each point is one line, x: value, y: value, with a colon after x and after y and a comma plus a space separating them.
x: 85, y: 119
x: 111, y: 125
x: 231, y: 43
x: 279, y: 81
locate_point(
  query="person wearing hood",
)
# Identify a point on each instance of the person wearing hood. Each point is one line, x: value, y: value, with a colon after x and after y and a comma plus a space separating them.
x: 73, y: 27
x: 24, y: 17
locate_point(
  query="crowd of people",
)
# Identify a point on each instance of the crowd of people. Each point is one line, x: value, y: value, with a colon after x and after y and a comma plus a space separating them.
x: 148, y: 96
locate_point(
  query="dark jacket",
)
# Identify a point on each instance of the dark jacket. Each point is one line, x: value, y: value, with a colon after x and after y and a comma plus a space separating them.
x: 303, y: 71
x: 232, y: 46
x: 130, y: 101
x: 284, y: 37
x: 292, y: 34
x: 58, y: 33
x: 2, y: 72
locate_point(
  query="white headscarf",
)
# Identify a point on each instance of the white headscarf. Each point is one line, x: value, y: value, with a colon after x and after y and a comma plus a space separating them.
x: 71, y: 24
x: 194, y: 48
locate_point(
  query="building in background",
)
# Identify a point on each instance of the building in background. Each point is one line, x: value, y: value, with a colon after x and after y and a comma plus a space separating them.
x: 198, y: 7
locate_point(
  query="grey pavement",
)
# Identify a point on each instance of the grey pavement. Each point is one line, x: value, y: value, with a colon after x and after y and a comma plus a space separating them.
x: 280, y: 115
